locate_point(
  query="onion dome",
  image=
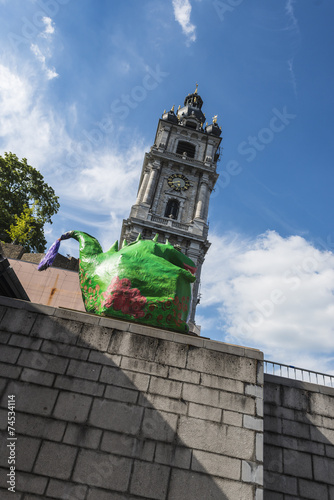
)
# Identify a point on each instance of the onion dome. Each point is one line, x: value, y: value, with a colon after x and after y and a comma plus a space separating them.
x: 191, y: 114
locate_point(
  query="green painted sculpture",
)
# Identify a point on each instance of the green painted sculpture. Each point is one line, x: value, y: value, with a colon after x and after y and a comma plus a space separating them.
x: 146, y: 282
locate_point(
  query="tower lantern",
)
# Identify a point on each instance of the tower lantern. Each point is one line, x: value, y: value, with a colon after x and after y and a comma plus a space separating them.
x: 178, y: 175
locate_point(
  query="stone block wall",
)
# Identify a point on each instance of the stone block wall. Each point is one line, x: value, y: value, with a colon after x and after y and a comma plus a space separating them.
x: 298, y: 440
x: 11, y: 251
x: 106, y: 409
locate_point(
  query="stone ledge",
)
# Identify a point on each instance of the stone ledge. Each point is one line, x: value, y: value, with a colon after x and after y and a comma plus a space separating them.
x: 298, y: 384
x: 116, y: 324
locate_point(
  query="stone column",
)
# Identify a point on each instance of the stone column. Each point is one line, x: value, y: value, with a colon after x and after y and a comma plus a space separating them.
x: 206, y: 205
x: 151, y: 184
x: 202, y: 200
x: 163, y: 138
x: 142, y: 187
x: 195, y: 289
x: 158, y: 196
x: 209, y: 153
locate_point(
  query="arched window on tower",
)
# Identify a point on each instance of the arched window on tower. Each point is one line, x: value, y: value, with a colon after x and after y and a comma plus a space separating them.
x: 186, y: 147
x: 172, y: 209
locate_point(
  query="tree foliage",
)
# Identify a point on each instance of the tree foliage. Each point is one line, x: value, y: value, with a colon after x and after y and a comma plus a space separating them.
x: 26, y: 202
x: 21, y: 231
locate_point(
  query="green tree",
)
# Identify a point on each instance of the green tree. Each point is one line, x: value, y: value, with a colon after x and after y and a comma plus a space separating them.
x: 21, y: 231
x: 22, y: 188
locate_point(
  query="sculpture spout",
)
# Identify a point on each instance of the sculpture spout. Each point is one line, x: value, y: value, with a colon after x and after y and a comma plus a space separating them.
x: 88, y: 245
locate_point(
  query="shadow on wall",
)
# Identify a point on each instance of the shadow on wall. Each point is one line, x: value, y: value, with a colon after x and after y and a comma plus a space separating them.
x: 94, y: 424
x: 298, y: 440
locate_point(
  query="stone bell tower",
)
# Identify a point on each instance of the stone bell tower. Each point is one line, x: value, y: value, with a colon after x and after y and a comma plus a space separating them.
x: 178, y: 175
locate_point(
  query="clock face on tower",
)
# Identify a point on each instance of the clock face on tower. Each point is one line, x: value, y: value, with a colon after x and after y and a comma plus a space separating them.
x: 178, y: 182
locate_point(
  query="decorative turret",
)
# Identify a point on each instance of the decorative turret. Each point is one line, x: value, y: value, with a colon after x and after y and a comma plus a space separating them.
x: 191, y: 114
x: 213, y: 128
x: 170, y: 116
x: 194, y: 100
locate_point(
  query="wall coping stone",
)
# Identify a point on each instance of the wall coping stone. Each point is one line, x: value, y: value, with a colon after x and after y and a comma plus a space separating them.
x: 298, y: 384
x: 117, y: 324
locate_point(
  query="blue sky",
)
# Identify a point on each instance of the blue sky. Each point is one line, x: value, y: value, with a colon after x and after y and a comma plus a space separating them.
x: 82, y: 86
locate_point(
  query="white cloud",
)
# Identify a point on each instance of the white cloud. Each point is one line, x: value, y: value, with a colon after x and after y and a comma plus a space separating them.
x: 292, y: 75
x: 50, y: 72
x: 28, y: 127
x: 94, y: 179
x: 97, y: 197
x: 293, y: 27
x: 103, y: 192
x: 37, y: 52
x: 15, y: 95
x: 289, y: 9
x: 273, y: 293
x: 49, y: 26
x: 42, y: 51
x: 182, y: 11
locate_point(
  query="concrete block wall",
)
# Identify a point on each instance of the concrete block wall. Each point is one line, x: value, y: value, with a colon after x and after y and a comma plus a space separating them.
x: 106, y: 409
x: 298, y: 440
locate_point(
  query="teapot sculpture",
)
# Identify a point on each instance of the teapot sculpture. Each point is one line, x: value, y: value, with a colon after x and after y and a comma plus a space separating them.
x: 145, y: 281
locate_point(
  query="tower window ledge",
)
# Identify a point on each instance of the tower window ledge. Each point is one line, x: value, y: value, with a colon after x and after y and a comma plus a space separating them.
x: 160, y: 220
x: 169, y: 154
x: 179, y: 225
x: 186, y: 158
x: 166, y: 221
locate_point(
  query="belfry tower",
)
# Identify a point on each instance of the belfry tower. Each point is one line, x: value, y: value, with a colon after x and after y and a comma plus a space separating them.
x: 177, y: 178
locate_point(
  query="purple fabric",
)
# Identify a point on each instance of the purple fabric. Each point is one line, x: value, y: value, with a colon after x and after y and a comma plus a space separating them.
x: 51, y: 254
